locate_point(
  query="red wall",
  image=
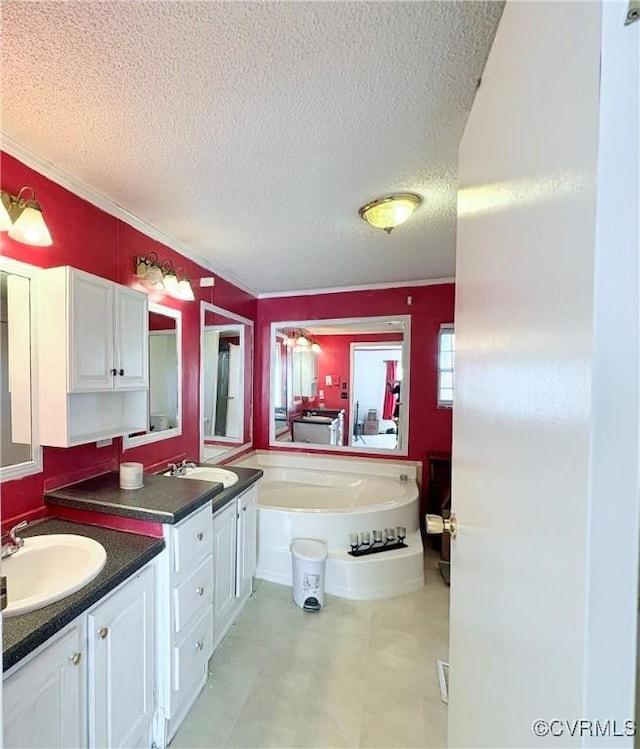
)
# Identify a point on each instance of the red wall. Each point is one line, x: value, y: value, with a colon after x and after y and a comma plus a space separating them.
x: 90, y: 239
x: 429, y: 426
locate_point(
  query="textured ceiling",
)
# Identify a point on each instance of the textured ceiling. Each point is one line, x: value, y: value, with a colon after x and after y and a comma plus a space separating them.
x: 252, y: 132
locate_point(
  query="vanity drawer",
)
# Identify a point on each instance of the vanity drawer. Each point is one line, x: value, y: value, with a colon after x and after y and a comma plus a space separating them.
x: 194, y: 595
x: 192, y: 540
x: 191, y: 657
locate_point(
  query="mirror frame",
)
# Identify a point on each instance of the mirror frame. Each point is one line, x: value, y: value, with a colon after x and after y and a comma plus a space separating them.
x: 149, y: 437
x: 236, y: 444
x: 28, y: 467
x: 403, y: 438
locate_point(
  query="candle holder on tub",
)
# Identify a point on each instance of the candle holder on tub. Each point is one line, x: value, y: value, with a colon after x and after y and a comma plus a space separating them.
x: 392, y: 538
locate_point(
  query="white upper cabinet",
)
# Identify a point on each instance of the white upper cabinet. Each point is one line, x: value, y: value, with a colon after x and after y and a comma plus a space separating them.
x: 93, y: 355
x: 91, y: 320
x: 107, y: 334
x: 131, y: 359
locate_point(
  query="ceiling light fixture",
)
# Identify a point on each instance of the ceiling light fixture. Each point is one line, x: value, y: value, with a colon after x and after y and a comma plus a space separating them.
x: 23, y: 219
x: 390, y: 211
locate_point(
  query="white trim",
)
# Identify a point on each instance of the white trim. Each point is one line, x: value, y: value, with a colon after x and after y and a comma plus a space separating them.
x: 403, y: 441
x: 91, y: 195
x: 29, y: 467
x: 358, y: 287
x: 145, y: 439
x: 246, y: 339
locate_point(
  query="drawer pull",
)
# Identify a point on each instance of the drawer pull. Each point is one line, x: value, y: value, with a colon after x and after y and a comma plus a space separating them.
x: 199, y: 645
x: 199, y: 536
x: 75, y: 658
x: 103, y: 632
x: 200, y: 592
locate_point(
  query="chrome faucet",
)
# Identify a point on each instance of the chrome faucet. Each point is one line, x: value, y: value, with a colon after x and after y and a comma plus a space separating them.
x: 14, y: 542
x: 180, y: 470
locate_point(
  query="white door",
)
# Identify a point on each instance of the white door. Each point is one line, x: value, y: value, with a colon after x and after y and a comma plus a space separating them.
x: 247, y: 542
x: 224, y: 565
x: 91, y: 333
x: 131, y: 355
x: 122, y: 666
x: 545, y: 429
x: 235, y: 395
x: 44, y: 703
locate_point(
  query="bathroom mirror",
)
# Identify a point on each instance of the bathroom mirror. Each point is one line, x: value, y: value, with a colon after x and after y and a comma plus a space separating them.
x: 341, y: 384
x: 165, y: 377
x: 226, y: 342
x: 20, y: 454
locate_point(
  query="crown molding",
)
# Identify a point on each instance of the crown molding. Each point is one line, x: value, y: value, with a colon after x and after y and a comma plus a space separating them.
x: 84, y: 191
x: 360, y: 287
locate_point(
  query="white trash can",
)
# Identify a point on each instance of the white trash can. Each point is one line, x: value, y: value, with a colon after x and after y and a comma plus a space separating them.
x: 308, y: 558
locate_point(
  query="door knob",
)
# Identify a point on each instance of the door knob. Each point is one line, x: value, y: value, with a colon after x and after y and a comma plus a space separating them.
x: 200, y: 591
x: 104, y: 631
x: 75, y: 658
x: 436, y: 524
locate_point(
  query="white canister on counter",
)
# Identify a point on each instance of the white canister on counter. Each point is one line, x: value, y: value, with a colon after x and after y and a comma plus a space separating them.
x: 131, y: 475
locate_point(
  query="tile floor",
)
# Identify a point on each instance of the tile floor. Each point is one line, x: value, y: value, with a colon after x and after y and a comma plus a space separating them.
x: 357, y: 674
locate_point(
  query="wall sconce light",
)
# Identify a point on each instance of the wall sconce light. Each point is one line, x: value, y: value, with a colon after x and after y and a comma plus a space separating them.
x: 149, y: 272
x: 23, y: 219
x: 300, y: 340
x: 163, y: 277
x: 391, y: 211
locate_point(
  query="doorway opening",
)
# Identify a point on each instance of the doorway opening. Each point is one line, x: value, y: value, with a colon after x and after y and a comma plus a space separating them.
x: 374, y: 416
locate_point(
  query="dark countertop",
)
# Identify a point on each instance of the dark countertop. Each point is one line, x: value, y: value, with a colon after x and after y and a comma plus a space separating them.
x: 246, y: 477
x: 126, y: 554
x: 162, y: 499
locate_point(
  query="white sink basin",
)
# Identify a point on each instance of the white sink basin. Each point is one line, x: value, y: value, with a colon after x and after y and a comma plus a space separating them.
x: 48, y: 568
x: 210, y: 473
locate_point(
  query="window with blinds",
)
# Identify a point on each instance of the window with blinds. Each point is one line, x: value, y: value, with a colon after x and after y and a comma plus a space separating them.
x: 446, y: 343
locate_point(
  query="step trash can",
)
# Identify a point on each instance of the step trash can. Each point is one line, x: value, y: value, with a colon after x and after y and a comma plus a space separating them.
x: 308, y: 558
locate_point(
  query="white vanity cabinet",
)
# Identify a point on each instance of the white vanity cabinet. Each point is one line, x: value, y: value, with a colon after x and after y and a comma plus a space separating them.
x: 93, y: 357
x: 234, y: 559
x: 121, y: 641
x: 44, y: 699
x: 93, y: 683
x: 185, y: 618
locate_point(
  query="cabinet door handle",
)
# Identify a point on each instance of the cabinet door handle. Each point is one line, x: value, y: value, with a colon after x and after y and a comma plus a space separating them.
x: 199, y: 536
x: 200, y: 592
x: 114, y: 372
x: 244, y: 509
x: 103, y: 632
x: 75, y: 658
x: 199, y: 645
x: 121, y: 372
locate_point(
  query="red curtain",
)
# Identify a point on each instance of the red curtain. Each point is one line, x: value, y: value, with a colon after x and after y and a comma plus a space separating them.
x: 389, y: 403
